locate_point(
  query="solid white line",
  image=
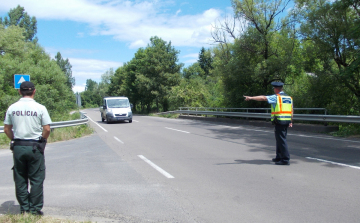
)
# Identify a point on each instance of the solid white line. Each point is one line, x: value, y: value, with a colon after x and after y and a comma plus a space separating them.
x: 97, y: 124
x: 177, y: 130
x: 340, y: 164
x: 318, y: 137
x: 118, y: 140
x: 163, y: 172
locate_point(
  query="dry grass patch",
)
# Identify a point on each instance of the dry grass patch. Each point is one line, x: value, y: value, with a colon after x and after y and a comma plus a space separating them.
x: 29, y: 218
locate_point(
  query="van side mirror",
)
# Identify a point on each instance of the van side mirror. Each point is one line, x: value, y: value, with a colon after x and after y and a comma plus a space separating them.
x: 131, y: 105
x: 104, y: 107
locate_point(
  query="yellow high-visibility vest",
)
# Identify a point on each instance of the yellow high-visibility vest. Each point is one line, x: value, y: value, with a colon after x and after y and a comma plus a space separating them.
x: 282, y: 112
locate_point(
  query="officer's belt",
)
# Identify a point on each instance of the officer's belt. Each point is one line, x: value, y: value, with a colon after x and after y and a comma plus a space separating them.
x: 25, y: 142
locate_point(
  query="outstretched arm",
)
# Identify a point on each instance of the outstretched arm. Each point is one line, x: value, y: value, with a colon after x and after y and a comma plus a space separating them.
x: 255, y: 98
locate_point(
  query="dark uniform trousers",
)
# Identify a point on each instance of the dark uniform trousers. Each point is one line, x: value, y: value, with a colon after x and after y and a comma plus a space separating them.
x: 29, y: 165
x: 282, y: 151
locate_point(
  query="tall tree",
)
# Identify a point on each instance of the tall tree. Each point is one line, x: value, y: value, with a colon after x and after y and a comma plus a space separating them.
x: 18, y: 17
x: 261, y: 17
x: 158, y: 71
x: 24, y: 57
x: 334, y: 28
x: 205, y: 61
x: 91, y: 85
x: 66, y: 68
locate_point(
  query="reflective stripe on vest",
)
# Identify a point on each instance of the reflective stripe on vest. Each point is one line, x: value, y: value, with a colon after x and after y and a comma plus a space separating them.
x: 282, y: 110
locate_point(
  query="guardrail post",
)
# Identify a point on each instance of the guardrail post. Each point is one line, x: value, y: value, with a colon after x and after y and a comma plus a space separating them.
x: 325, y: 123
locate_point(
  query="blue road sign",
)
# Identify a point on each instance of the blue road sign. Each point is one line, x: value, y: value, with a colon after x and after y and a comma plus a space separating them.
x: 19, y: 78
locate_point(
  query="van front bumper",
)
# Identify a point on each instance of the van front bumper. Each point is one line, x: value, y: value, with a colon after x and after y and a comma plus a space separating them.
x: 119, y: 117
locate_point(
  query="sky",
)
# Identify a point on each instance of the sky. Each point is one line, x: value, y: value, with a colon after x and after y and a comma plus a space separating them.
x: 96, y: 35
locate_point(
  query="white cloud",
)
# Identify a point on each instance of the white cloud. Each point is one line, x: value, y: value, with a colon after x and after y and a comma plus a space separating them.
x: 80, y: 35
x: 54, y: 51
x: 125, y: 20
x: 194, y: 55
x: 137, y: 44
x: 83, y: 69
x: 78, y: 88
x: 193, y: 58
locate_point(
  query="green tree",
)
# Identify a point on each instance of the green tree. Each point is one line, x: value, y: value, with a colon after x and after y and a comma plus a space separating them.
x: 159, y: 71
x: 65, y: 66
x: 193, y: 71
x: 148, y: 78
x: 91, y: 97
x: 18, y: 17
x: 205, y: 61
x: 262, y: 38
x: 21, y: 57
x: 334, y: 29
x: 105, y: 82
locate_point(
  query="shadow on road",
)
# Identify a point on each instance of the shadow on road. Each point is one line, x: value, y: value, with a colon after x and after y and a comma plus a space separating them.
x: 9, y: 207
x: 263, y: 140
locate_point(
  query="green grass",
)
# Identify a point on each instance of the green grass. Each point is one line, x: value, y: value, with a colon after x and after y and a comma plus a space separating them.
x: 67, y: 133
x: 347, y: 130
x: 166, y: 115
x: 29, y: 218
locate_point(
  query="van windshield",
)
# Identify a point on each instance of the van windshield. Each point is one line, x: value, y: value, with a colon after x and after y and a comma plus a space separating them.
x: 118, y: 103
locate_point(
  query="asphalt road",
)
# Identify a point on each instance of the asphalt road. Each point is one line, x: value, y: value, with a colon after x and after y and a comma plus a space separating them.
x: 167, y: 170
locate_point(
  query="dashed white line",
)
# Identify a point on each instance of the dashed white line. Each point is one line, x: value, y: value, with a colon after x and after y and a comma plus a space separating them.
x: 335, y: 163
x: 135, y: 121
x: 97, y: 124
x: 163, y: 172
x: 118, y: 140
x: 177, y: 130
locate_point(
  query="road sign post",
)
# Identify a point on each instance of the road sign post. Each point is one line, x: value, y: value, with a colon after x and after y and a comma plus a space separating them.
x: 19, y: 78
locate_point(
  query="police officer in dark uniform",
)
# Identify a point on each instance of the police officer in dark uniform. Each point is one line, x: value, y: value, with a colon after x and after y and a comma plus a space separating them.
x: 281, y: 117
x: 27, y: 124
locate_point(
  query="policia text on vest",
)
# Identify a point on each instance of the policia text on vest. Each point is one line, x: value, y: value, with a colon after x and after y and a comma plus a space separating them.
x: 27, y: 124
x: 281, y: 117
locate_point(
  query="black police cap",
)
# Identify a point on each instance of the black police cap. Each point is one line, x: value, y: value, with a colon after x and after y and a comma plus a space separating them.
x: 27, y: 86
x: 277, y: 84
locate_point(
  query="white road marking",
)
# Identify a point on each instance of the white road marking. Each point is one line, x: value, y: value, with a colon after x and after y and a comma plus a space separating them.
x: 118, y: 140
x: 163, y: 172
x: 318, y: 137
x: 135, y: 121
x: 97, y: 124
x: 340, y: 164
x: 232, y: 127
x: 177, y: 130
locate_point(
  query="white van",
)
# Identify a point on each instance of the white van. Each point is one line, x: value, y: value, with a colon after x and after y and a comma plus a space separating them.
x: 116, y: 109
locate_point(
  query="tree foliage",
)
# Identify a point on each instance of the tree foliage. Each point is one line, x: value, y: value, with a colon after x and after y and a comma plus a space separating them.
x: 22, y: 57
x: 334, y: 29
x: 65, y: 66
x: 18, y: 17
x: 149, y: 76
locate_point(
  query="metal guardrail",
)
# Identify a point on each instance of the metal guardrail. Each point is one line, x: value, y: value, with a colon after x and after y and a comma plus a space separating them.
x: 84, y: 120
x: 302, y: 117
x: 247, y: 109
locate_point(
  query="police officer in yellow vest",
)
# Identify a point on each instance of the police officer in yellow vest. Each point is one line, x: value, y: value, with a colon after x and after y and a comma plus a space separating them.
x: 281, y: 117
x: 27, y: 124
